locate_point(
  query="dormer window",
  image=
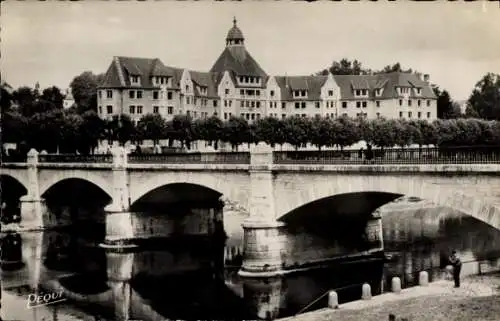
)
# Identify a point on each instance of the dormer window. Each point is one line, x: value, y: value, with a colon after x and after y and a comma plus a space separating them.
x: 358, y: 92
x: 272, y: 93
x: 300, y: 93
x: 378, y: 92
x: 134, y: 80
x: 330, y: 93
x: 418, y: 91
x: 363, y: 92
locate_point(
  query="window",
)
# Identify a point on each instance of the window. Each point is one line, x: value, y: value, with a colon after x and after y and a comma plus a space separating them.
x: 401, y: 102
x: 283, y: 105
x: 363, y: 92
x: 303, y: 93
x: 364, y: 104
x: 419, y: 114
x: 409, y: 102
x: 400, y: 114
x: 428, y: 115
x: 139, y: 94
x: 134, y: 79
x: 317, y: 104
x: 358, y: 104
x: 215, y: 103
x: 188, y: 101
x: 100, y: 93
x: 242, y: 103
x: 131, y: 94
x: 155, y: 94
x: 257, y: 92
x: 272, y: 93
x: 139, y: 109
x: 283, y: 116
x: 358, y: 92
x: 226, y: 91
x: 155, y: 109
x: 428, y: 103
x: 377, y: 92
x: 344, y: 104
x: 225, y: 103
x: 330, y: 93
x: 297, y: 105
x: 419, y: 103
x: 109, y: 94
x: 409, y: 114
x: 377, y: 103
x: 170, y: 110
x: 230, y: 103
x: 252, y: 104
x: 344, y: 114
x: 242, y: 92
x: 258, y: 104
x: 419, y: 91
x: 131, y: 109
x: 225, y: 115
x: 303, y: 105
x: 100, y: 109
x: 303, y: 115
x: 109, y: 109
x: 378, y: 115
x: 169, y: 96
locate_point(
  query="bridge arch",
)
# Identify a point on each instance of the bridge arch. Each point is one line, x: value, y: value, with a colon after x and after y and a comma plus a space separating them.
x: 46, y: 182
x: 455, y: 192
x: 17, y: 176
x: 175, y: 193
x: 236, y: 190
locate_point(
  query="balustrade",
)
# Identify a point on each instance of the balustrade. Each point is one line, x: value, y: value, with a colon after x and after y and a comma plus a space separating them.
x: 403, y: 156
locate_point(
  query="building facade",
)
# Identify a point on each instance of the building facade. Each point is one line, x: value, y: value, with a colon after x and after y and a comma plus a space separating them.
x: 236, y: 85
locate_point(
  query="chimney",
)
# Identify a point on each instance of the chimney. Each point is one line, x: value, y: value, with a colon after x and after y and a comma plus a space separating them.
x: 426, y: 77
x: 419, y: 75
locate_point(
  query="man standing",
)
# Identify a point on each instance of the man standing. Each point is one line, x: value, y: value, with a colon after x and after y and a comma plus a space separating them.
x: 457, y: 266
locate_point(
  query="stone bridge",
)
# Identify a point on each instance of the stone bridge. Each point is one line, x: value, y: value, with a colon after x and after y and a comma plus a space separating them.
x: 278, y: 196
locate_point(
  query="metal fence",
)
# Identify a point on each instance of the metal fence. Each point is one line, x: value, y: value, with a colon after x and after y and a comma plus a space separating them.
x: 72, y: 158
x: 14, y: 158
x: 431, y: 155
x: 191, y: 158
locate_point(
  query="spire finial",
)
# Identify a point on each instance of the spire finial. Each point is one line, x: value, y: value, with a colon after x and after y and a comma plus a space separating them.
x: 234, y: 21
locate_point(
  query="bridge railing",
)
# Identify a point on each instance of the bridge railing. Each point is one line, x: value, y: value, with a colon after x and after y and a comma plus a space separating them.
x: 72, y: 158
x: 191, y: 158
x: 14, y: 158
x: 425, y: 155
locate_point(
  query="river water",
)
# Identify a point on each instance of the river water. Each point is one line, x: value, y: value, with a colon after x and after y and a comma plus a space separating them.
x: 173, y: 282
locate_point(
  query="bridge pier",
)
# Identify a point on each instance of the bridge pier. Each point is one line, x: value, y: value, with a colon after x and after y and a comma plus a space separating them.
x: 32, y: 205
x: 263, y: 244
x: 119, y: 273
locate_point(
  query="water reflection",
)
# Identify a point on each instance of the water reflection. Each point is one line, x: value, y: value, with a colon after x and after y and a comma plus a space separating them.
x: 195, y: 278
x: 423, y: 239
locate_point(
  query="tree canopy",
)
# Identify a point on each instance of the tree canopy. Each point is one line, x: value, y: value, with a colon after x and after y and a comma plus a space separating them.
x: 484, y: 102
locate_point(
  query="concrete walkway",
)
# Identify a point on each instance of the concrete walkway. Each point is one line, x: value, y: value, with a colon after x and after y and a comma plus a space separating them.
x: 470, y: 287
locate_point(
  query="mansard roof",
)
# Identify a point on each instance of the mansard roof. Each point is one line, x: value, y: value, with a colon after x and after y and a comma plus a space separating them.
x: 388, y: 82
x: 205, y: 79
x: 312, y: 84
x: 121, y: 68
x: 245, y: 65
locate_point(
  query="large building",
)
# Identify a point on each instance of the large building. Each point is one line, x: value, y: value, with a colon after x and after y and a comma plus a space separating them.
x: 236, y: 85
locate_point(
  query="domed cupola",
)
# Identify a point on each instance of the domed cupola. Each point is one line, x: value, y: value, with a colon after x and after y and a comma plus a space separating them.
x: 235, y: 36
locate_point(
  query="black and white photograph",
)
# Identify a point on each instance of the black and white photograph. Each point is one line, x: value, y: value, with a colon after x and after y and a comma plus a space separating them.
x: 250, y: 160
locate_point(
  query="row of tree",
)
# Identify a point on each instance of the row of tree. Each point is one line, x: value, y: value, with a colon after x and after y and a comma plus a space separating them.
x: 67, y: 131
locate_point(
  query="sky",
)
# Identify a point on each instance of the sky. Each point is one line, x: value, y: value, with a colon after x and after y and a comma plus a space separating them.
x: 51, y: 42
